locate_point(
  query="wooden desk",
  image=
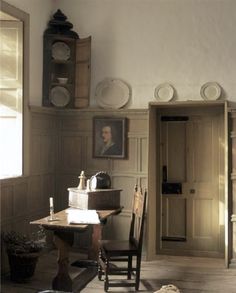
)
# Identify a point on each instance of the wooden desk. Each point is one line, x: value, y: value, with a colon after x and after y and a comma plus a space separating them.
x: 63, y: 239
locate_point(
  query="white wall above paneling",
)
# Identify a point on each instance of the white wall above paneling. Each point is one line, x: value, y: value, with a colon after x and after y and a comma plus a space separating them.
x: 145, y: 43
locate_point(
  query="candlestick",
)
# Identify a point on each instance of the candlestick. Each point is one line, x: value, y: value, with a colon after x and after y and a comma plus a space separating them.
x: 51, y: 202
x: 52, y: 217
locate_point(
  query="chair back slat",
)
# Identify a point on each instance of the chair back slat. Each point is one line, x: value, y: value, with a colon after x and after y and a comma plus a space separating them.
x: 137, y: 220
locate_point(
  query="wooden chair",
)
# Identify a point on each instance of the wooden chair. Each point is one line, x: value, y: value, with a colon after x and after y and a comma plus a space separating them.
x: 112, y: 251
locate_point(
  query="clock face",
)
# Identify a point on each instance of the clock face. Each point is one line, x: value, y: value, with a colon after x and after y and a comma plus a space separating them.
x: 60, y: 51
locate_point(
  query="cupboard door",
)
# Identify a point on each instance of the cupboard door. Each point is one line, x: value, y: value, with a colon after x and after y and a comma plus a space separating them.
x: 83, y: 72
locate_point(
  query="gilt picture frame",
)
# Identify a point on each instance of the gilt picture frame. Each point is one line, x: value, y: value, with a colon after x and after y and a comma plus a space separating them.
x: 109, y: 137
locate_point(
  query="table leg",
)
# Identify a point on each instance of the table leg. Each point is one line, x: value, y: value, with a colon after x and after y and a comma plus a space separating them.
x: 63, y: 242
x: 96, y: 236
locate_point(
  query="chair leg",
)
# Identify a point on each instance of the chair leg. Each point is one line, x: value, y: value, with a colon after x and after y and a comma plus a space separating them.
x: 129, y: 267
x: 137, y: 278
x: 106, y: 280
x: 99, y: 266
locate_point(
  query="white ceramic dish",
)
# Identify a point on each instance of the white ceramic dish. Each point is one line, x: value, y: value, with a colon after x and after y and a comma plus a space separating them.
x: 60, y: 51
x: 164, y: 92
x: 112, y: 93
x: 210, y: 91
x: 59, y: 96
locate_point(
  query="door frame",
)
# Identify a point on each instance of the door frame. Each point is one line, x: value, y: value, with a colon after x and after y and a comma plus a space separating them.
x: 154, y: 202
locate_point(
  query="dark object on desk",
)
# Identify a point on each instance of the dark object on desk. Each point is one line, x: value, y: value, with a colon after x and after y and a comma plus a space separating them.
x: 101, y: 180
x: 124, y: 251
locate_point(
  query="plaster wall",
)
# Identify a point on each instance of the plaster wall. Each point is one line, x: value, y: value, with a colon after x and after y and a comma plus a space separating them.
x: 145, y: 43
x: 148, y: 42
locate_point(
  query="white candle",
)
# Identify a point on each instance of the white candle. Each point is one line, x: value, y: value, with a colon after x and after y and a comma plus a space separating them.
x: 51, y: 202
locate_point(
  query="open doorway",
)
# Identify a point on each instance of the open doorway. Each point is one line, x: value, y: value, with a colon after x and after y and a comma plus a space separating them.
x: 188, y: 179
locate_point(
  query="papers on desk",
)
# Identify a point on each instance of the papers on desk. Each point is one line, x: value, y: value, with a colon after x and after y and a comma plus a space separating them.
x: 76, y: 216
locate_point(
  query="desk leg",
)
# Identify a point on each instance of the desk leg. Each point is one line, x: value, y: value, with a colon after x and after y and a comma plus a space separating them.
x: 62, y: 281
x: 96, y: 236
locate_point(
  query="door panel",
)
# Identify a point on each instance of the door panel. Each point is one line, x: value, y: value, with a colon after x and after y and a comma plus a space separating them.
x: 202, y: 149
x: 191, y: 151
x: 202, y: 225
x: 174, y: 217
x: 174, y: 158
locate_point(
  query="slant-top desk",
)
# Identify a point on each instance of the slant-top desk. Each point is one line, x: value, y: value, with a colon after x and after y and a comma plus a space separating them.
x: 63, y: 238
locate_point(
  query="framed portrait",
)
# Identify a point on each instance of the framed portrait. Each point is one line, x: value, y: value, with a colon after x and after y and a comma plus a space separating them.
x: 109, y: 137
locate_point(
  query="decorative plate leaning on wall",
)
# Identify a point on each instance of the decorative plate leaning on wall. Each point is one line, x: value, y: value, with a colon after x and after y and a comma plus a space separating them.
x: 164, y: 92
x: 210, y: 91
x: 112, y: 93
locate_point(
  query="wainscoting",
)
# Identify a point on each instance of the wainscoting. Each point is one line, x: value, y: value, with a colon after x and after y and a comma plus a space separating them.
x: 60, y: 147
x: 75, y: 154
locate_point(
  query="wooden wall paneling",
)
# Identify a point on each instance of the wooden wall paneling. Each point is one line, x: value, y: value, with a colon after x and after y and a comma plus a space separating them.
x: 138, y: 122
x: 6, y: 203
x: 94, y: 165
x: 74, y: 121
x: 118, y: 227
x: 48, y: 189
x: 143, y: 182
x: 127, y: 184
x: 71, y: 153
x: 63, y: 182
x: 143, y: 155
x: 47, y: 147
x: 43, y: 121
x: 21, y: 224
x: 35, y: 195
x: 35, y: 159
x: 130, y: 164
x: 20, y: 198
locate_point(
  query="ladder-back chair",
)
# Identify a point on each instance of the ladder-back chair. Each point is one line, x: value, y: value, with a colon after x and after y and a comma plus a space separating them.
x: 112, y: 251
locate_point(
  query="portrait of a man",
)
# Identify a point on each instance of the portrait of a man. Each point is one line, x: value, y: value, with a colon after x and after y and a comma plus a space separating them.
x: 109, y: 137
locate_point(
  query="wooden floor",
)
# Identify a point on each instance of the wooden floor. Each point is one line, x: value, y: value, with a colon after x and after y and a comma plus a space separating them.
x: 189, y: 274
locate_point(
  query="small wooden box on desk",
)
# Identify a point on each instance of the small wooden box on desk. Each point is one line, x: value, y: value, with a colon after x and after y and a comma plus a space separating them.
x: 99, y: 199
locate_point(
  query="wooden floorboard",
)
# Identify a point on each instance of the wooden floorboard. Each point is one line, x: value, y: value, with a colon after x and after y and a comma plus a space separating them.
x: 189, y: 274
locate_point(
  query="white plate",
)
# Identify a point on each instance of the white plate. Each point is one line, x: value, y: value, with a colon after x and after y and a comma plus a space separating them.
x: 112, y: 94
x: 164, y: 92
x: 210, y: 91
x: 60, y: 51
x: 59, y: 96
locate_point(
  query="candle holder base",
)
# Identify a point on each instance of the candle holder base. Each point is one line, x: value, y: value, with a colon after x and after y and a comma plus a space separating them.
x: 52, y: 219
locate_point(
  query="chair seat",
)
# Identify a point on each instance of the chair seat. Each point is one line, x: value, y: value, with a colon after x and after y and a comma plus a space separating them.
x: 113, y: 247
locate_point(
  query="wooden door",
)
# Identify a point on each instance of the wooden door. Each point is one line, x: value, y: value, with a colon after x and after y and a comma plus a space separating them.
x: 190, y: 156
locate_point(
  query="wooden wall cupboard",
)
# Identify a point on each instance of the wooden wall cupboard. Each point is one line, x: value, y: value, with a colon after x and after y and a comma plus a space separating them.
x: 66, y: 65
x: 66, y: 72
